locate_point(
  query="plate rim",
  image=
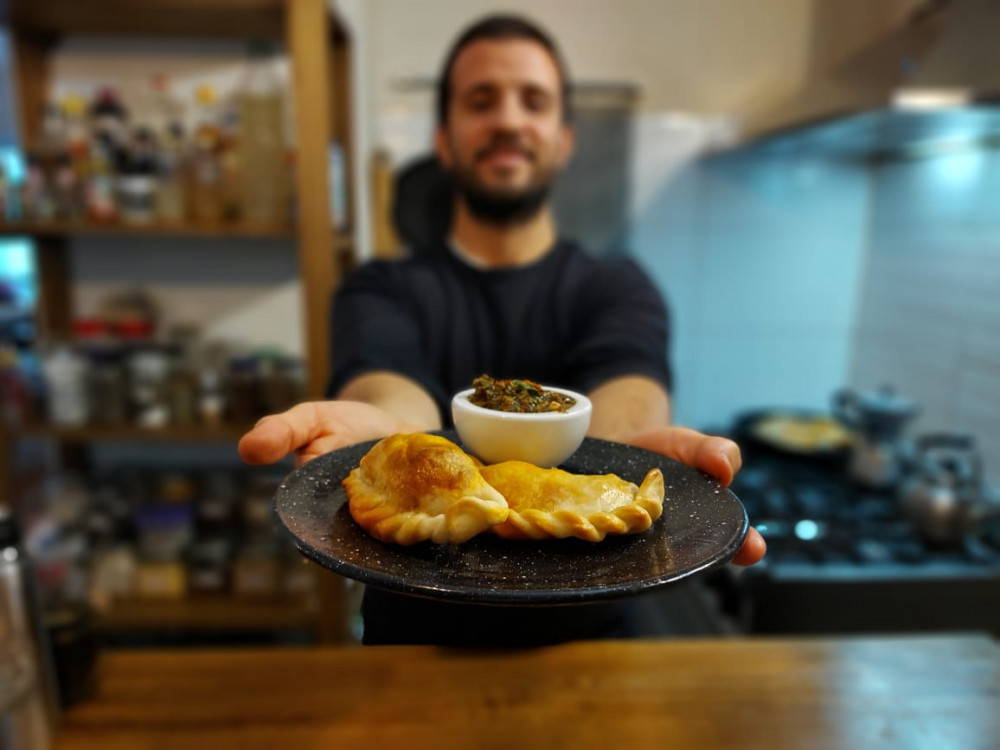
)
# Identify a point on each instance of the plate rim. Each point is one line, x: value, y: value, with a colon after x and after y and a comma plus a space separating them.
x: 510, y: 597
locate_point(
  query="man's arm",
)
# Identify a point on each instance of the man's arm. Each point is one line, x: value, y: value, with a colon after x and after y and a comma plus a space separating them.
x: 397, y: 395
x: 368, y: 407
x: 627, y: 405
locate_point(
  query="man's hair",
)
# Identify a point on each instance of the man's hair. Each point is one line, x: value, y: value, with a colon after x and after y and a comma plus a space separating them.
x: 500, y: 28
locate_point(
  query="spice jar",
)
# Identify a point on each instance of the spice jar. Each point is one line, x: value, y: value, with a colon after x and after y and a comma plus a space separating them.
x: 147, y: 370
x: 244, y: 392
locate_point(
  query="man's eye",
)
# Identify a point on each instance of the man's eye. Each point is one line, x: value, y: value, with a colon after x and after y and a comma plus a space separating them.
x: 479, y: 103
x: 537, y: 101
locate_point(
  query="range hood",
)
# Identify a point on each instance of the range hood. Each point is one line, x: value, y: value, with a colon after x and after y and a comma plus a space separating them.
x: 931, y: 85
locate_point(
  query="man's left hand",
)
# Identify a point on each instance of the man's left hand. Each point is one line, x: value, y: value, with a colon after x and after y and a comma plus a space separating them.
x: 719, y: 457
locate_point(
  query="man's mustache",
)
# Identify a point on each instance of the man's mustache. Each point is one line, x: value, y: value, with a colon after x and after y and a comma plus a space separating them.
x: 504, y: 143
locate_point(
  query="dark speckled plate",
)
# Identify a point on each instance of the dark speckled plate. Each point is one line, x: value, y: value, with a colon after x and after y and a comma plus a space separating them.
x: 702, y: 526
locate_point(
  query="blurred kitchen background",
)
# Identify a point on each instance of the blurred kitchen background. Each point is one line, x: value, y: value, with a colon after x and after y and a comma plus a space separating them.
x: 811, y: 183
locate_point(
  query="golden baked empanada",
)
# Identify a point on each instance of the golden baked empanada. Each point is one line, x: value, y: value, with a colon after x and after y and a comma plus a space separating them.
x: 413, y: 487
x: 546, y: 503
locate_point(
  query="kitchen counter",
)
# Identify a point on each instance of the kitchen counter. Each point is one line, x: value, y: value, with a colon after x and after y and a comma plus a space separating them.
x: 935, y: 692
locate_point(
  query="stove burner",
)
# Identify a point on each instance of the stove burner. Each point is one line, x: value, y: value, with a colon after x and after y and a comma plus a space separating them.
x: 809, y: 515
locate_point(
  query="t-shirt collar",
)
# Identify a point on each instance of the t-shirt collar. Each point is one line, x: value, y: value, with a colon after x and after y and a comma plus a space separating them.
x: 464, y: 255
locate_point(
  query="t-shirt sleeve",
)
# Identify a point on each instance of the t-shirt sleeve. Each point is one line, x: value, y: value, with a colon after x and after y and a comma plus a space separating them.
x: 374, y: 330
x: 624, y: 328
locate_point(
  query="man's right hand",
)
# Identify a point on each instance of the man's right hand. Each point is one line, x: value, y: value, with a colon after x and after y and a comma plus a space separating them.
x: 369, y: 407
x: 311, y: 429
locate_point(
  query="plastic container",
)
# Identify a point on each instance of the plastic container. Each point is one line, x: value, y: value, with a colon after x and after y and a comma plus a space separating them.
x: 261, y: 148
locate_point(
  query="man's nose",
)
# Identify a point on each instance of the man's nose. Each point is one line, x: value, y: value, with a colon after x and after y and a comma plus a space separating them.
x: 509, y: 113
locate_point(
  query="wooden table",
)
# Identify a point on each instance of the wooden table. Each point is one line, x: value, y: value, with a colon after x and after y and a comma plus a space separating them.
x: 938, y: 693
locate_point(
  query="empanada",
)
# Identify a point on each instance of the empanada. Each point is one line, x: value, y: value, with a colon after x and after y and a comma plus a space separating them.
x: 547, y: 503
x: 415, y: 487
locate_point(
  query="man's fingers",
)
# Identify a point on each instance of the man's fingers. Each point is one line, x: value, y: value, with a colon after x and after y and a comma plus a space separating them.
x: 753, y: 549
x: 267, y: 442
x: 277, y: 435
x: 717, y: 456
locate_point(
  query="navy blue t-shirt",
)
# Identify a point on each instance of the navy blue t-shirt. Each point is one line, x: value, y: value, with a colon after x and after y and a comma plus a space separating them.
x: 567, y: 320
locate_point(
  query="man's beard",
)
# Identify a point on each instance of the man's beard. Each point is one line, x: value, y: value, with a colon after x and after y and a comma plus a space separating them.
x: 502, y: 209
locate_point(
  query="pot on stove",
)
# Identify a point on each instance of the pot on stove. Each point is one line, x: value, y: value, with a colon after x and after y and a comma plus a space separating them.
x: 878, y: 419
x: 944, y: 496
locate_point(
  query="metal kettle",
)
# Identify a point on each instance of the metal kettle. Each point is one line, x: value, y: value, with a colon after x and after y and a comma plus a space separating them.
x: 944, y: 496
x: 878, y: 420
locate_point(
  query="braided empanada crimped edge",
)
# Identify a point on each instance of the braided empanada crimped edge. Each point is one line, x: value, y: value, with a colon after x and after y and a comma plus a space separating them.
x: 462, y: 520
x: 633, y: 518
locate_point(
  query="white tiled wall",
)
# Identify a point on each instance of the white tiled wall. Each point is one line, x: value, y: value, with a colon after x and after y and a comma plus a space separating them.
x: 760, y: 260
x: 930, y: 313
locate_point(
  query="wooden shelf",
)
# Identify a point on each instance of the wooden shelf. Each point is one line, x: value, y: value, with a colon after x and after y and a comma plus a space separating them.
x: 319, y: 54
x: 205, y: 18
x: 76, y: 228
x: 204, y: 613
x: 96, y: 433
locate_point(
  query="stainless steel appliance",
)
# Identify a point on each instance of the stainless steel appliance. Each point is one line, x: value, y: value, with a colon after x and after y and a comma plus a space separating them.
x: 944, y: 495
x: 878, y: 420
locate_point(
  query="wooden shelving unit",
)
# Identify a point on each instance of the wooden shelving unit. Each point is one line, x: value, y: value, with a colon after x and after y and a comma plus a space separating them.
x: 318, y: 49
x: 84, y: 229
x: 319, y: 52
x: 171, y: 434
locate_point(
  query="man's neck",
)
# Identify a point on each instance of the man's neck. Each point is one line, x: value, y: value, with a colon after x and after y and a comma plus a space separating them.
x: 503, y: 247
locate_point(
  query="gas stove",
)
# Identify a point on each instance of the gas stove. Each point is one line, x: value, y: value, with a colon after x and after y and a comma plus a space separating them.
x: 842, y: 558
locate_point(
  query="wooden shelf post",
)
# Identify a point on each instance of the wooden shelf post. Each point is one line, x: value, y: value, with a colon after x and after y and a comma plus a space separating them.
x: 309, y: 29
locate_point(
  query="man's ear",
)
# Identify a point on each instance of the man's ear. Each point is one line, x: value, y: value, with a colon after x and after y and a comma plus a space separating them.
x: 441, y: 147
x: 567, y: 144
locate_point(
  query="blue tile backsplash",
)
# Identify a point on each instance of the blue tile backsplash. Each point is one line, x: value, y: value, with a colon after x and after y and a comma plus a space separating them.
x: 929, y: 320
x: 790, y: 277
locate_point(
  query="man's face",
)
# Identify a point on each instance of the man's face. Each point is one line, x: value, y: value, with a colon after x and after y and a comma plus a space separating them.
x: 505, y: 137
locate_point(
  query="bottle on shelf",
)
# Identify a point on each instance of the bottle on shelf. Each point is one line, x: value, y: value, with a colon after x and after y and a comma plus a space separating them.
x: 38, y: 195
x: 51, y: 186
x: 230, y: 159
x: 243, y: 389
x: 65, y: 373
x: 211, y: 398
x: 165, y: 111
x: 166, y: 118
x: 262, y: 142
x: 68, y: 193
x: 171, y: 201
x: 74, y: 109
x: 106, y: 382
x: 206, y: 178
x: 182, y: 389
x: 100, y: 187
x: 109, y: 122
x: 138, y: 179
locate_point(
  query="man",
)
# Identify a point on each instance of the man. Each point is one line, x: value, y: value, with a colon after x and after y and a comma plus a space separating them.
x: 507, y: 298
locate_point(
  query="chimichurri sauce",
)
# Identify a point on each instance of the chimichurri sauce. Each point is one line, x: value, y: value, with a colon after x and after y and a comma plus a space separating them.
x: 515, y: 395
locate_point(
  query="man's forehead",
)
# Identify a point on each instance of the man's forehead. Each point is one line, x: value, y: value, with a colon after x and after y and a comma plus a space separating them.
x: 502, y: 62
